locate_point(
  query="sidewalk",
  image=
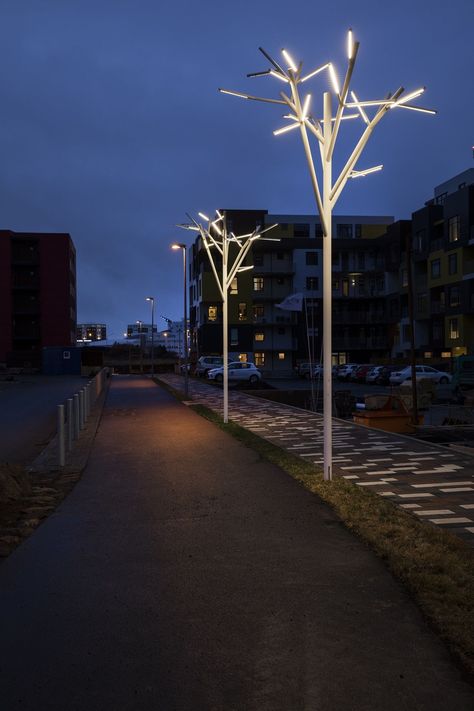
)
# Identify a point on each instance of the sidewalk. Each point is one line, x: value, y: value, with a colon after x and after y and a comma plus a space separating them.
x: 434, y: 482
x: 184, y: 573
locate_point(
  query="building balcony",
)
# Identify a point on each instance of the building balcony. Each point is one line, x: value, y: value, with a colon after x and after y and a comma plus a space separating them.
x: 275, y: 269
x: 350, y: 317
x: 361, y: 344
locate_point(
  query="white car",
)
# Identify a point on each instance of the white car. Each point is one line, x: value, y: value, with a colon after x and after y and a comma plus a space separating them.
x: 345, y: 371
x: 422, y: 372
x: 238, y: 372
x: 373, y: 374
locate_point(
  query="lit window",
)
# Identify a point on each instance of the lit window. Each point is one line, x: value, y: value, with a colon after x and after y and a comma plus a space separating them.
x: 212, y: 313
x: 260, y: 336
x: 259, y: 359
x: 234, y: 289
x: 258, y: 283
x: 445, y: 354
x: 453, y: 328
x: 242, y: 312
x: 243, y: 357
x: 281, y: 356
x: 454, y: 228
x: 345, y: 287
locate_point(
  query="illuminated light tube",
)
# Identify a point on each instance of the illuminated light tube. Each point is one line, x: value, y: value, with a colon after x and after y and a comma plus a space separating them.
x: 346, y: 117
x: 418, y: 108
x: 306, y: 106
x: 332, y: 73
x: 362, y: 173
x: 350, y: 44
x: 273, y: 73
x: 204, y: 217
x: 221, y: 217
x: 316, y: 71
x: 286, y: 128
x: 233, y: 93
x: 289, y: 59
x: 359, y: 107
x: 408, y: 97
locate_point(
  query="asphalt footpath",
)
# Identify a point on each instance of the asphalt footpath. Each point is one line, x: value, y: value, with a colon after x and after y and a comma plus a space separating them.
x: 185, y: 573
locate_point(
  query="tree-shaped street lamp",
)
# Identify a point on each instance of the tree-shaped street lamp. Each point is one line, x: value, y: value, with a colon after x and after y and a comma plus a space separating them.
x: 325, y: 130
x: 217, y: 242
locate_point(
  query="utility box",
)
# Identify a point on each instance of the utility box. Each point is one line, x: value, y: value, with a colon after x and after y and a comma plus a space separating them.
x: 61, y: 360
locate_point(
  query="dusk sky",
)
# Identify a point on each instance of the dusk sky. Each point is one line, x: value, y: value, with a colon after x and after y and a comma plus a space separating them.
x: 112, y: 127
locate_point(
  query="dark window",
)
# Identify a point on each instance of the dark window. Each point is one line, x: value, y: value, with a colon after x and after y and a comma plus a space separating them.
x: 258, y: 311
x: 301, y: 230
x: 435, y: 268
x: 318, y: 230
x: 312, y: 283
x: 453, y: 263
x: 344, y: 231
x: 280, y: 280
x: 258, y: 259
x: 311, y: 258
x: 280, y: 255
x: 454, y: 296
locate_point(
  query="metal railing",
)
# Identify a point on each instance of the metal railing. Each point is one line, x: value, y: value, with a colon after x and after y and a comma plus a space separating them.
x: 72, y: 415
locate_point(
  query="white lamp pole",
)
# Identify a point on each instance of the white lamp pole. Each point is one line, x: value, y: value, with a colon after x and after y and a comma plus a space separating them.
x: 182, y: 247
x: 151, y: 299
x: 216, y: 238
x: 326, y: 135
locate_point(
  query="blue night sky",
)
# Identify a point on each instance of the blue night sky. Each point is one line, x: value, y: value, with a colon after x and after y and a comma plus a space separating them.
x: 112, y: 127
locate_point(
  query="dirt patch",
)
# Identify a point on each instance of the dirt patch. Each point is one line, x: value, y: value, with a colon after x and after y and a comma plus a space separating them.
x: 26, y: 500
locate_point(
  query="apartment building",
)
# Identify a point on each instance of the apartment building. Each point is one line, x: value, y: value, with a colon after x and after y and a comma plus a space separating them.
x: 370, y: 286
x: 443, y: 270
x: 37, y: 295
x: 276, y: 339
x: 88, y: 332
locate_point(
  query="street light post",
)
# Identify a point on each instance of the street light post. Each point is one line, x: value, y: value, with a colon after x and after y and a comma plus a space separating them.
x: 182, y: 247
x: 326, y: 135
x: 216, y: 238
x: 151, y: 299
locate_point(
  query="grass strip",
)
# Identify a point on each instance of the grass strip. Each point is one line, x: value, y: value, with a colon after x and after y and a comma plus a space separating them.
x: 435, y: 566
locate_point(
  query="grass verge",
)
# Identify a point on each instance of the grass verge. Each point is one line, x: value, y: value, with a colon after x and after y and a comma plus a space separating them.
x: 436, y: 567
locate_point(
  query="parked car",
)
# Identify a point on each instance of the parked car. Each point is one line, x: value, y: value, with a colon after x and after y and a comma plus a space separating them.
x: 422, y: 372
x: 373, y: 374
x: 345, y: 371
x: 302, y: 369
x: 237, y: 372
x: 359, y: 373
x: 383, y: 378
x: 205, y: 363
x: 317, y: 372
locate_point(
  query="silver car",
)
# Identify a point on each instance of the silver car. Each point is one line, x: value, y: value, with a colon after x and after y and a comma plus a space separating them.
x: 422, y: 372
x: 237, y: 372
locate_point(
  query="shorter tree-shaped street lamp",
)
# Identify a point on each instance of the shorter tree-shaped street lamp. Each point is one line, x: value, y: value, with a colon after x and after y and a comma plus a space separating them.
x: 217, y: 242
x: 182, y: 247
x: 151, y: 299
x: 325, y: 131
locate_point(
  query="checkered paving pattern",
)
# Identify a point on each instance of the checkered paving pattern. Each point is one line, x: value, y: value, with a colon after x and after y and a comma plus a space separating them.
x: 432, y: 482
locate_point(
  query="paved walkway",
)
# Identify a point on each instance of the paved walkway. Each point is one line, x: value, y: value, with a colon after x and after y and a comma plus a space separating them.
x: 433, y: 482
x: 183, y: 573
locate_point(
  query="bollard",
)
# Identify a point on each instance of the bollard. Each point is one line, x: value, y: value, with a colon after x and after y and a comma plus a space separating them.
x: 61, y: 443
x: 70, y: 432
x: 76, y: 416
x: 86, y: 403
x: 81, y: 409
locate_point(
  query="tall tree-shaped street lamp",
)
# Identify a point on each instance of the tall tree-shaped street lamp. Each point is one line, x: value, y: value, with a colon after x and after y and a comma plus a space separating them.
x: 182, y: 247
x: 217, y: 242
x: 325, y: 130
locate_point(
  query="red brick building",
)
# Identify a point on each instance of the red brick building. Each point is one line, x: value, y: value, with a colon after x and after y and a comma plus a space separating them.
x: 37, y: 295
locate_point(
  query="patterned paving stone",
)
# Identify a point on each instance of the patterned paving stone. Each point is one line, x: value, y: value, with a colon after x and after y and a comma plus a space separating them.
x: 435, y: 484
